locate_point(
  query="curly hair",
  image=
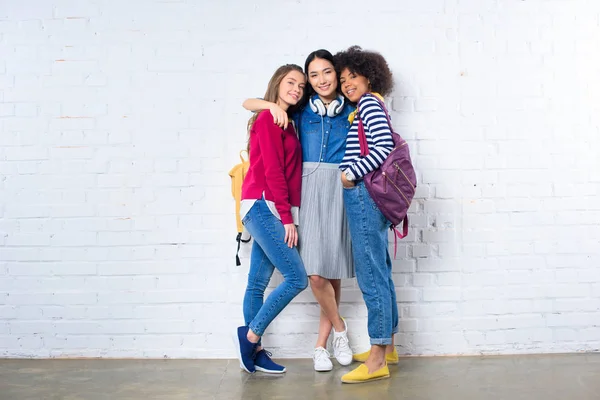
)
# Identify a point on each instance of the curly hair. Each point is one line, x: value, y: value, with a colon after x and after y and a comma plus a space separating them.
x: 369, y: 64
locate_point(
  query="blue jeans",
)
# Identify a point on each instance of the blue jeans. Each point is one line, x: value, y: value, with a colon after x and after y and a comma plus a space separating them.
x: 269, y: 251
x: 368, y: 230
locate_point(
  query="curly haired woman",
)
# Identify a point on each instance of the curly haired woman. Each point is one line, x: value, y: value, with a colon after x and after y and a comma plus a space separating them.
x: 364, y: 78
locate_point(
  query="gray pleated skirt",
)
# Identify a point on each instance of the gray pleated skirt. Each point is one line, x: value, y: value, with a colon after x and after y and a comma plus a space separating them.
x: 324, y: 237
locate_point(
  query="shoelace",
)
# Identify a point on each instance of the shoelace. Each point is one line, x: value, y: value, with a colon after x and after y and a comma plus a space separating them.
x: 322, y: 353
x: 267, y: 352
x: 340, y: 342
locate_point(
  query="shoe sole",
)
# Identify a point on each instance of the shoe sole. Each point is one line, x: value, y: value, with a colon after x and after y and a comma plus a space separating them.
x: 324, y: 369
x: 368, y: 380
x: 341, y: 363
x: 236, y: 342
x: 269, y: 371
x: 388, y: 362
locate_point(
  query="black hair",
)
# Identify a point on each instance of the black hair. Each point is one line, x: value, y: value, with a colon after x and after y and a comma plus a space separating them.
x: 325, y: 55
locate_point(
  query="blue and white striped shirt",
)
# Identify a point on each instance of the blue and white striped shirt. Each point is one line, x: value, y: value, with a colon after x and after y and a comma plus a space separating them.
x: 378, y: 134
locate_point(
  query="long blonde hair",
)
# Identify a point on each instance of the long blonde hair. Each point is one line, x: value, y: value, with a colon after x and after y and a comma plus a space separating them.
x: 272, y: 93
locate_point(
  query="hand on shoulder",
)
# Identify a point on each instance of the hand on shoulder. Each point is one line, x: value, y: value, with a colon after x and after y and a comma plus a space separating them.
x: 279, y: 119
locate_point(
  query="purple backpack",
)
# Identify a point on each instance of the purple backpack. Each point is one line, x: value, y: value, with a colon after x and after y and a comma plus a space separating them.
x: 391, y: 186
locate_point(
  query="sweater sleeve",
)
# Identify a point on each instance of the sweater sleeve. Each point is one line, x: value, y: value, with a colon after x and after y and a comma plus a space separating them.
x: 270, y: 138
x: 376, y: 127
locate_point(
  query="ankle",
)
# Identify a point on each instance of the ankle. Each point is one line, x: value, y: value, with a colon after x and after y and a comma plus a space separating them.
x: 376, y: 355
x: 252, y: 337
x: 374, y: 365
x: 339, y: 326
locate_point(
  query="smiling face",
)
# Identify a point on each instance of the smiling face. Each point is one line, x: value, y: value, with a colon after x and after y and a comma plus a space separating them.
x: 353, y: 85
x: 291, y: 89
x: 322, y: 78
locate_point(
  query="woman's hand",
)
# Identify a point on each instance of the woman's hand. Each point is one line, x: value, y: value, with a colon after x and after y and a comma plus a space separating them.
x: 291, y: 235
x: 346, y: 183
x: 280, y: 117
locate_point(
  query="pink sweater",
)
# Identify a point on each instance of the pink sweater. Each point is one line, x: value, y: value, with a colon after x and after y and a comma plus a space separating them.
x: 275, y: 166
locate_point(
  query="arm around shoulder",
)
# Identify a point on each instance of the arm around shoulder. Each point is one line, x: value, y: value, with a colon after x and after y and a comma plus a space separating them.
x: 256, y: 105
x: 280, y: 117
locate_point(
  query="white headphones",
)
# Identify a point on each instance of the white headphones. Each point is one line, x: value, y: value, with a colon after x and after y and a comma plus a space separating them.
x: 335, y: 107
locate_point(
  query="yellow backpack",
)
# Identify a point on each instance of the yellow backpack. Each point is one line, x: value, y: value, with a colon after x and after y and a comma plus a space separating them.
x: 237, y: 174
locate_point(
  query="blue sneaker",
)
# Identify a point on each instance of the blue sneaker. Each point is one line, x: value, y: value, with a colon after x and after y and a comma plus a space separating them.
x: 246, y: 350
x: 263, y: 363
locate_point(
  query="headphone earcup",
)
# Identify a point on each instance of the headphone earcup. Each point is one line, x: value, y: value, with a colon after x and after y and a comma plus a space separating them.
x: 317, y: 106
x: 335, y: 107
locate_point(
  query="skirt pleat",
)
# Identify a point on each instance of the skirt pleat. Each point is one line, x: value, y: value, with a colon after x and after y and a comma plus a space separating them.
x: 324, y: 238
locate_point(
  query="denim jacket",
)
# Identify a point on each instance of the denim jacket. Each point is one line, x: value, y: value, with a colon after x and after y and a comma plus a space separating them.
x: 326, y: 133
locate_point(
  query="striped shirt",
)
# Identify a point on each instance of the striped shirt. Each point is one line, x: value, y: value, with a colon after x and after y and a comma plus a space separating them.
x: 379, y: 139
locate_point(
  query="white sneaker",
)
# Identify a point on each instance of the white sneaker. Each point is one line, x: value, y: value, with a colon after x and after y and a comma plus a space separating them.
x: 321, y: 360
x: 341, y: 348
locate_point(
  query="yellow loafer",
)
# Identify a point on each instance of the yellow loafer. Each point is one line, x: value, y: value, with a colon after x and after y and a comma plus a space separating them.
x: 361, y: 374
x: 390, y: 358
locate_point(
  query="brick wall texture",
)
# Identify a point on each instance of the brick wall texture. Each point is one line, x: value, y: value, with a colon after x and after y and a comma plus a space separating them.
x: 119, y: 121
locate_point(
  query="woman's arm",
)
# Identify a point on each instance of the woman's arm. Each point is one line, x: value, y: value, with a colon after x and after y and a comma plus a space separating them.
x: 256, y: 105
x: 376, y: 126
x: 271, y: 147
x: 280, y: 117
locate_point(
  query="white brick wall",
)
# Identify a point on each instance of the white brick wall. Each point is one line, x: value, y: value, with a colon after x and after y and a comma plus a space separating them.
x: 120, y: 120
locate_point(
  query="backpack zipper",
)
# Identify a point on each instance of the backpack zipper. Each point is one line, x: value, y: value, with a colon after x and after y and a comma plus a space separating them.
x: 397, y: 147
x: 397, y: 188
x: 385, y: 181
x: 405, y: 177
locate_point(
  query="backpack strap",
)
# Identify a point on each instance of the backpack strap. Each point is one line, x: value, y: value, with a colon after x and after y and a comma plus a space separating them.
x: 239, y: 241
x: 244, y: 157
x: 398, y: 235
x: 362, y: 138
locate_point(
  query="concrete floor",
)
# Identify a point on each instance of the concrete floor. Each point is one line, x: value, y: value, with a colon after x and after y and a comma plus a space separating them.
x: 543, y: 377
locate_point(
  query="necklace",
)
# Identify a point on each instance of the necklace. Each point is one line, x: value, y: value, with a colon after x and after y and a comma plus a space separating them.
x: 326, y: 103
